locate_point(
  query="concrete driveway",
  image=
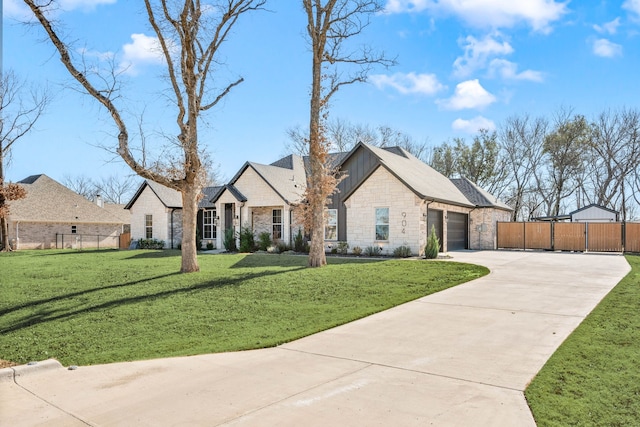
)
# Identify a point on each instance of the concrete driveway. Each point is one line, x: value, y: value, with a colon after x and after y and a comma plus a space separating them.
x: 457, y: 358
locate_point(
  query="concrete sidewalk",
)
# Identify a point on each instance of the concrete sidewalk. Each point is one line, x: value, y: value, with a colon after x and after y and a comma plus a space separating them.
x: 457, y: 358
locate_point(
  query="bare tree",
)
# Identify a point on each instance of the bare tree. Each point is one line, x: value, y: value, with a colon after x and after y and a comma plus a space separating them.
x: 564, y: 151
x: 190, y: 38
x: 19, y: 112
x: 520, y: 139
x: 81, y: 184
x: 330, y: 25
x: 614, y: 157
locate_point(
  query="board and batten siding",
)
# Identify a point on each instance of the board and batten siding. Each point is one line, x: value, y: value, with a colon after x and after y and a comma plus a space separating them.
x: 149, y: 204
x: 593, y: 214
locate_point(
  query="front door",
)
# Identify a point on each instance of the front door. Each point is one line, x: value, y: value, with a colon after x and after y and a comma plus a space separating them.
x: 228, y: 216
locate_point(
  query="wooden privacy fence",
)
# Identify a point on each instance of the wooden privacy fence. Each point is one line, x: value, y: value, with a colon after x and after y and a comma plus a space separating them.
x: 570, y: 236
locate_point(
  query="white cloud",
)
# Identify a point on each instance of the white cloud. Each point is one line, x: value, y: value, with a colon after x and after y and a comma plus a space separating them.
x: 633, y: 6
x: 477, y: 53
x: 409, y: 83
x: 610, y: 27
x: 606, y: 48
x: 469, y: 94
x: 18, y: 10
x: 143, y: 50
x: 538, y: 14
x: 474, y: 125
x: 509, y: 71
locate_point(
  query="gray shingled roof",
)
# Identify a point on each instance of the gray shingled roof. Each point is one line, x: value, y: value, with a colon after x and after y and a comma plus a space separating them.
x: 477, y: 195
x: 418, y: 176
x: 171, y: 198
x: 49, y: 201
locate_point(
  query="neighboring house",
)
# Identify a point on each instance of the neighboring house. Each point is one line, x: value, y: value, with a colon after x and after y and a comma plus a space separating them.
x: 53, y: 216
x: 156, y: 213
x: 263, y: 198
x: 589, y: 213
x: 389, y: 198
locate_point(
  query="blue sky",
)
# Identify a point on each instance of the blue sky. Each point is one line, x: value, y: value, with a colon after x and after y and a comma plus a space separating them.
x: 462, y: 65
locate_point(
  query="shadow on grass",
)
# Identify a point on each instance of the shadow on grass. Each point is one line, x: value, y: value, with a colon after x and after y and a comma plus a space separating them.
x: 298, y: 260
x: 44, y: 314
x: 153, y: 253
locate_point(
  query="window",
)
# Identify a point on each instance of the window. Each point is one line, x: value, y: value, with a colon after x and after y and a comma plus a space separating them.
x: 331, y: 225
x: 208, y: 225
x: 277, y: 224
x: 74, y: 229
x: 148, y: 226
x: 382, y: 223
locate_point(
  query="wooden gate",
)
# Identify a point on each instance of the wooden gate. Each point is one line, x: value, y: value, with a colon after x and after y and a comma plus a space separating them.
x: 510, y: 235
x: 125, y: 239
x: 604, y: 237
x: 537, y: 235
x: 569, y: 236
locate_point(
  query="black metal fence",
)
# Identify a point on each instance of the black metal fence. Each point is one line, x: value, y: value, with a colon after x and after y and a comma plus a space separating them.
x: 87, y: 241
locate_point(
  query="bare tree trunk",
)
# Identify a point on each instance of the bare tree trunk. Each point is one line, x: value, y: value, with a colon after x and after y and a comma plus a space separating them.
x: 190, y: 198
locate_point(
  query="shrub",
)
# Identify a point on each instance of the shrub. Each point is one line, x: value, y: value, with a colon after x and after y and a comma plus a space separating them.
x: 433, y: 245
x: 282, y: 247
x: 247, y: 242
x: 372, y: 251
x: 210, y: 246
x: 229, y: 241
x: 150, y: 244
x: 403, y: 251
x: 342, y: 248
x: 298, y: 242
x: 357, y: 250
x: 264, y: 241
x: 334, y: 251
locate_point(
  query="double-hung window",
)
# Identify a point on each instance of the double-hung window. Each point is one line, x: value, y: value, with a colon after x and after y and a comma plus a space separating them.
x: 331, y: 225
x: 382, y: 223
x: 277, y: 224
x: 208, y: 226
x: 148, y: 226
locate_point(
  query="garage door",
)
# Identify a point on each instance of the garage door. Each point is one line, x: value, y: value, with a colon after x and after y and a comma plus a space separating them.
x: 457, y: 231
x: 434, y: 218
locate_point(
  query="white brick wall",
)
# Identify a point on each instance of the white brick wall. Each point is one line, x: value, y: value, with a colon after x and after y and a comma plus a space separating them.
x: 149, y: 204
x: 383, y: 190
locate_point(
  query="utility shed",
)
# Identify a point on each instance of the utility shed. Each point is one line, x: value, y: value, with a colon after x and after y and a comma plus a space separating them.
x: 594, y: 213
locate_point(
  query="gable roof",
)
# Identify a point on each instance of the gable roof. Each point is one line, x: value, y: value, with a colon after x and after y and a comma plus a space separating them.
x: 49, y: 201
x: 286, y: 177
x: 422, y: 179
x: 477, y: 195
x: 593, y: 205
x: 171, y: 198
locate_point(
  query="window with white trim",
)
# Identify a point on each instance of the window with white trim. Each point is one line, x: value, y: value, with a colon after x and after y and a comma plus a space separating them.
x: 208, y: 224
x: 277, y: 224
x: 382, y: 223
x: 148, y: 226
x: 331, y: 225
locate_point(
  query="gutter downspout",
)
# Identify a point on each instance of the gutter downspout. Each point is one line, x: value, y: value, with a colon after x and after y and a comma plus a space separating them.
x: 426, y: 220
x: 172, y: 211
x: 469, y: 229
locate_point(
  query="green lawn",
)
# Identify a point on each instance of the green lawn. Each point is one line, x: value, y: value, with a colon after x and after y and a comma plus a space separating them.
x: 593, y: 379
x: 98, y: 307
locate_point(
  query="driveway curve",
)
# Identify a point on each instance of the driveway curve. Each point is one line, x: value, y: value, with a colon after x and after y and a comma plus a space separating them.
x: 460, y: 357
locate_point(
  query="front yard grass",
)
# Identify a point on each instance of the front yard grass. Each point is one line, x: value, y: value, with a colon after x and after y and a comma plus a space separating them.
x: 593, y: 379
x: 87, y: 307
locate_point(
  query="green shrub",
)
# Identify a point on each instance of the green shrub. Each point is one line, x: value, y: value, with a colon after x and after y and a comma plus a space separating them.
x: 433, y: 245
x: 298, y: 242
x: 342, y: 248
x: 334, y: 251
x: 247, y: 241
x: 229, y: 241
x: 403, y: 251
x: 282, y: 247
x: 210, y: 246
x: 372, y: 251
x: 357, y: 250
x: 150, y: 244
x: 264, y: 241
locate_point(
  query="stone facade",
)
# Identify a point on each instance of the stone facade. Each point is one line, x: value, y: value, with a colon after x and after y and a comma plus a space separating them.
x: 483, y: 227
